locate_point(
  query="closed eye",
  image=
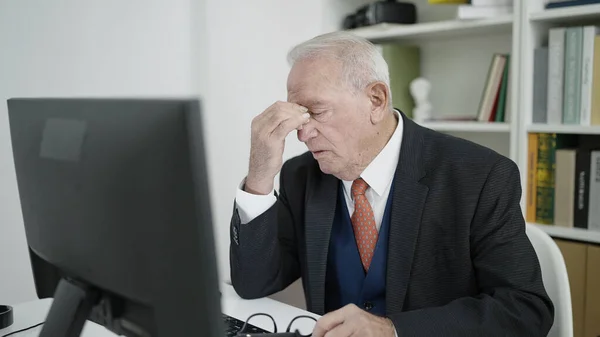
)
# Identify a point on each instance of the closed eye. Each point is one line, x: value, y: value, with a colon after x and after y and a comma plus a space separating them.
x: 320, y: 116
x: 317, y: 111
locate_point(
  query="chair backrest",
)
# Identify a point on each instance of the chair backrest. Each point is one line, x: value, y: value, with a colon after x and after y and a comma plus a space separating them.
x: 556, y: 280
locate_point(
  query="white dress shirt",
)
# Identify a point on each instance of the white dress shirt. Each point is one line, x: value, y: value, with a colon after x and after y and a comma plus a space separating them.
x: 378, y: 174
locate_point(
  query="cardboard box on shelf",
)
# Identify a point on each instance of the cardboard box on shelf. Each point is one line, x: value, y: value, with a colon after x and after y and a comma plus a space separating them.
x: 575, y: 255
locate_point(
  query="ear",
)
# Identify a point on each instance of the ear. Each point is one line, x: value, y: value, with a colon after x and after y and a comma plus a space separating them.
x: 379, y: 99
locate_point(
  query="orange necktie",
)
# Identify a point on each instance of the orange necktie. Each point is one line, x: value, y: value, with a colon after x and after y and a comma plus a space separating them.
x: 363, y: 222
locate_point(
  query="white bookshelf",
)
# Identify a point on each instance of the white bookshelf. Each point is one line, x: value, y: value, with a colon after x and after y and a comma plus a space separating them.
x: 564, y: 129
x: 459, y: 126
x: 535, y: 21
x: 436, y: 30
x: 455, y: 57
x: 576, y: 234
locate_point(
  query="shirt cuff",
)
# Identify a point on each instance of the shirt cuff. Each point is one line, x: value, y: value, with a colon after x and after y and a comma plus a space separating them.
x: 393, y: 326
x: 250, y: 206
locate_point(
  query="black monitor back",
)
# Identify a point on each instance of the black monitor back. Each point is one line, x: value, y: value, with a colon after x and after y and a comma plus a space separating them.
x: 115, y: 202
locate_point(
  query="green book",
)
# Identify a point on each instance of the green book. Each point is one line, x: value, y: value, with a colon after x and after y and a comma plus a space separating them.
x: 404, y: 63
x: 572, y: 84
x: 503, y: 92
x: 544, y: 210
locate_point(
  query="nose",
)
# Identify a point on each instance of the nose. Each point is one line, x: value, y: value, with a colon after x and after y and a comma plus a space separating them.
x: 308, y: 132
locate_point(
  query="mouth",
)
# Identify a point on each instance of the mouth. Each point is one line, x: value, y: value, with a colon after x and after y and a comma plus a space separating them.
x: 318, y: 153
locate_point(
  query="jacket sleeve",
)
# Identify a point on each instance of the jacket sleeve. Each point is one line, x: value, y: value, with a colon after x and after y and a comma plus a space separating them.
x: 263, y: 252
x: 512, y: 300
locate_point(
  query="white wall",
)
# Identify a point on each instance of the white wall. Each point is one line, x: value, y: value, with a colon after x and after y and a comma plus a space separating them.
x: 82, y: 48
x: 233, y: 52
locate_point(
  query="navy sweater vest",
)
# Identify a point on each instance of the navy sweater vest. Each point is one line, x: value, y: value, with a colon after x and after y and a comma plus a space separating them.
x: 346, y: 280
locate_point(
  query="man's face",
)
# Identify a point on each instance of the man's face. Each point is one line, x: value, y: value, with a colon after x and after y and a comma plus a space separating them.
x: 338, y: 131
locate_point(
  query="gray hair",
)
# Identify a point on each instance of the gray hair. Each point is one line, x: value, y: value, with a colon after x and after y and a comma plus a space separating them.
x: 362, y: 62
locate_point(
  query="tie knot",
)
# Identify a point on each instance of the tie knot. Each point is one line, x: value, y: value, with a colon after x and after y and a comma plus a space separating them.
x: 359, y: 186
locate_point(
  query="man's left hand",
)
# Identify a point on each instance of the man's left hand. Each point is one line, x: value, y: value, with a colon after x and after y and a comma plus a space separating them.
x: 353, y: 321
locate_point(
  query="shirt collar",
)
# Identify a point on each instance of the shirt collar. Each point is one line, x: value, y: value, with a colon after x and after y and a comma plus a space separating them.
x: 380, y: 172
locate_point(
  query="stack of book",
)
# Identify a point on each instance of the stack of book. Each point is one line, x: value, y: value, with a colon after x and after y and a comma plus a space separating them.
x: 481, y: 9
x: 495, y: 103
x: 563, y: 184
x: 566, y: 76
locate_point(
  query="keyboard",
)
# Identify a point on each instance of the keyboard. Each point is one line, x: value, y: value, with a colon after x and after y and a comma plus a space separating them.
x: 234, y: 325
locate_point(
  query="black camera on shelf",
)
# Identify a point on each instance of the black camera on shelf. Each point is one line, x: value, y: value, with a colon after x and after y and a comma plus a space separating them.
x: 389, y: 11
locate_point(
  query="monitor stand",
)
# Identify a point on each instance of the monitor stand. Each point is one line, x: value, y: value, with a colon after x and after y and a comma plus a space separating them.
x: 72, y: 305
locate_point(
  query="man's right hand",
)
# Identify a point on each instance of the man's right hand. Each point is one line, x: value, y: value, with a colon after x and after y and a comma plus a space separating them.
x: 269, y: 130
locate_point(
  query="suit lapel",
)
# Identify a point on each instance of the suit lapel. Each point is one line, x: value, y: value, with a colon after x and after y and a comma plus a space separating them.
x: 320, y: 211
x: 409, y: 199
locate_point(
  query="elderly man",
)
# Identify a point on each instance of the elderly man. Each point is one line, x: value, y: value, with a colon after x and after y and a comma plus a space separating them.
x: 395, y: 229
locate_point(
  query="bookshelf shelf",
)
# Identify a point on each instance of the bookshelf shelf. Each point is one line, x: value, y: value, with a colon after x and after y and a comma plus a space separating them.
x: 466, y: 126
x: 572, y: 14
x: 436, y: 30
x: 577, y: 234
x: 564, y: 129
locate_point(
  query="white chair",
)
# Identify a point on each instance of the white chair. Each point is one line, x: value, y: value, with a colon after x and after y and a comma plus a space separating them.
x: 556, y: 280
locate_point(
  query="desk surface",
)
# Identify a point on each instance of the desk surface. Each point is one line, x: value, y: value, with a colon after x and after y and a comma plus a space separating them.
x: 32, y: 313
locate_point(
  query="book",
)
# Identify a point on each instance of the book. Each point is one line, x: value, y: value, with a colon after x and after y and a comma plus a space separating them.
x: 595, y: 112
x: 556, y: 52
x: 532, y: 159
x: 500, y: 113
x: 545, y: 170
x: 582, y: 188
x: 564, y: 187
x: 481, y: 12
x: 508, y: 109
x: 491, y: 89
x: 594, y: 192
x: 572, y: 84
x: 540, y: 85
x: 587, y: 73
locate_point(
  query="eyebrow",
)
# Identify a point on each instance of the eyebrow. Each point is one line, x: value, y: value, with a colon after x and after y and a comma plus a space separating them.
x: 307, y: 102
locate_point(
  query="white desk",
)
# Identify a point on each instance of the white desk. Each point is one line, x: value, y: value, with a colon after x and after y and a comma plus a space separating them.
x: 32, y: 313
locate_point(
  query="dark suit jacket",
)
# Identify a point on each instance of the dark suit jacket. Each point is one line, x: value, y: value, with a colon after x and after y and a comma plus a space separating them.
x: 459, y: 261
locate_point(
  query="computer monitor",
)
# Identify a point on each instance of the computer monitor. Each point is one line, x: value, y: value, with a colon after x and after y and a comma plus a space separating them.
x: 115, y: 202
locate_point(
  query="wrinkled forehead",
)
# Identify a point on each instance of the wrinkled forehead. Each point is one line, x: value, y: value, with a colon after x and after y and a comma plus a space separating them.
x: 309, y: 77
